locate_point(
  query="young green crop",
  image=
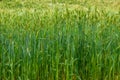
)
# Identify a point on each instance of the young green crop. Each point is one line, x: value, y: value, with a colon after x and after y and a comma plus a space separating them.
x: 59, y: 43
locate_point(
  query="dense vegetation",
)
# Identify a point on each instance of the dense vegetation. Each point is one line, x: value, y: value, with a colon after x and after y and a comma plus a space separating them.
x: 59, y: 41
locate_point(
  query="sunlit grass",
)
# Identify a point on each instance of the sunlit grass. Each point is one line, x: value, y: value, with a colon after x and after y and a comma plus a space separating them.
x: 58, y: 41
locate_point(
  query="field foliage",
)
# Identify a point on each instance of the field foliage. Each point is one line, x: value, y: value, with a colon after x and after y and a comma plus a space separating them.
x: 59, y: 40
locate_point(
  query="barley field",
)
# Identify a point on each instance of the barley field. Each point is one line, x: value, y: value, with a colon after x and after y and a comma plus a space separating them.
x: 59, y: 40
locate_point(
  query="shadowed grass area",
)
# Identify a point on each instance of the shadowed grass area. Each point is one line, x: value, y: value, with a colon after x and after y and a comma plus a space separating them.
x: 59, y: 41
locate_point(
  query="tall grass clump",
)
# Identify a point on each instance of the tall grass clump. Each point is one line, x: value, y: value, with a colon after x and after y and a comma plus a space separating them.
x: 59, y: 44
